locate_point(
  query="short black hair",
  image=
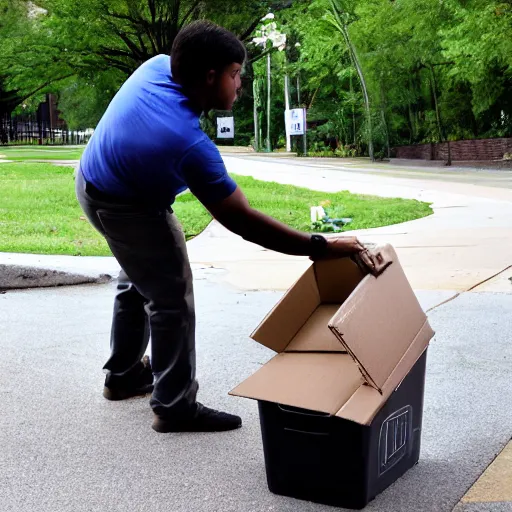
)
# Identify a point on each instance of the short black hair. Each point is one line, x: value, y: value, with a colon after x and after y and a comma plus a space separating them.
x: 201, y: 47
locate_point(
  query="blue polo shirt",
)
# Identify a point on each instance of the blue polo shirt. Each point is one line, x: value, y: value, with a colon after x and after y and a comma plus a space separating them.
x: 149, y: 145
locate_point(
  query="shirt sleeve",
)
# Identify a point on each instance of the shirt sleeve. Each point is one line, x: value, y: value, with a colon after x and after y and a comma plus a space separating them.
x: 205, y: 174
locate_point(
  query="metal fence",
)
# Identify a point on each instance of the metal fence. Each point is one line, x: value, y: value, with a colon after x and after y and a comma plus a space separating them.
x: 31, y: 129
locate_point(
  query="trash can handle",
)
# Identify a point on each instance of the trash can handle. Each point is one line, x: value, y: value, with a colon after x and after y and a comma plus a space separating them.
x: 302, y: 412
x: 374, y: 259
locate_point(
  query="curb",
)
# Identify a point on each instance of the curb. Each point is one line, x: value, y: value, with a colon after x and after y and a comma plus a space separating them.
x: 488, y: 506
x: 492, y: 491
x: 16, y: 277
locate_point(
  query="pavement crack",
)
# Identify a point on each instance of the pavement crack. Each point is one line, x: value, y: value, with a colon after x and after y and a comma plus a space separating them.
x: 489, y: 279
x: 470, y: 289
x: 444, y: 302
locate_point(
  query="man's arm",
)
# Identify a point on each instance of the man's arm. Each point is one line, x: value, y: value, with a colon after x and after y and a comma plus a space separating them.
x: 236, y: 214
x: 205, y: 174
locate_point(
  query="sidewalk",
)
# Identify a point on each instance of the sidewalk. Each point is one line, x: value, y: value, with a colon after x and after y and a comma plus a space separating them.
x: 66, y: 449
x: 465, y: 243
x: 493, y: 490
x: 465, y: 246
x: 409, y: 163
x: 460, y: 248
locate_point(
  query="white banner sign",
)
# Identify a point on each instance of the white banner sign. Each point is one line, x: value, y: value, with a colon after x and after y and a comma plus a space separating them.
x: 295, y: 121
x: 225, y: 127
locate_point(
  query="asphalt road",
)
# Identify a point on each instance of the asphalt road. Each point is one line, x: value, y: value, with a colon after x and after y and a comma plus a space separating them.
x: 64, y: 448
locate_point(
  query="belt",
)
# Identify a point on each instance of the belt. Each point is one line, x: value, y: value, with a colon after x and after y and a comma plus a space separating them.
x: 98, y: 195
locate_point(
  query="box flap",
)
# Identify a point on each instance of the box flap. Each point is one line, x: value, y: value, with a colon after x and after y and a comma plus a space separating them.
x: 362, y: 406
x: 404, y: 366
x: 379, y: 321
x: 366, y: 402
x: 289, y: 315
x: 315, y: 335
x: 320, y: 382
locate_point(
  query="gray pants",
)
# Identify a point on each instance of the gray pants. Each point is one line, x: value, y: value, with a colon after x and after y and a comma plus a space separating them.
x: 155, y: 296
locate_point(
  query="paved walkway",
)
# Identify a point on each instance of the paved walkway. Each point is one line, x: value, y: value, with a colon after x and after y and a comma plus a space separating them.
x: 66, y: 449
x: 465, y: 246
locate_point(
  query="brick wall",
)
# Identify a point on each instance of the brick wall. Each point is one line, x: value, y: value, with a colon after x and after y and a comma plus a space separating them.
x: 479, y: 149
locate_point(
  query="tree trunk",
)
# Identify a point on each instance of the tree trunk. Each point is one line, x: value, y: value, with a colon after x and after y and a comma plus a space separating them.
x: 353, y: 113
x: 386, y: 132
x: 10, y: 131
x: 442, y: 134
x: 268, y: 103
x: 255, y: 94
x: 384, y: 120
x: 304, y: 137
x: 411, y: 124
x: 343, y: 28
x: 365, y: 94
x: 287, y: 107
x: 412, y: 116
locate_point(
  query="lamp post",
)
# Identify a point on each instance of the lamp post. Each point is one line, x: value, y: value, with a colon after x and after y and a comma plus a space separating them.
x: 269, y: 37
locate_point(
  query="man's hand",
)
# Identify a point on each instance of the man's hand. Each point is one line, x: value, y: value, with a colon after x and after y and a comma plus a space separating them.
x: 342, y: 246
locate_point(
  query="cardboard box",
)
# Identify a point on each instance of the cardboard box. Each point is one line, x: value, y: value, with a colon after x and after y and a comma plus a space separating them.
x: 344, y: 338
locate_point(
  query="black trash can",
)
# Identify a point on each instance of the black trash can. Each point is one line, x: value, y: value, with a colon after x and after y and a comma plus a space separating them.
x: 329, y: 460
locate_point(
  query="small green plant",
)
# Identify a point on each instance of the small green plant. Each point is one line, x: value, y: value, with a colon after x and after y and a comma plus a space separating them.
x: 321, y: 151
x: 380, y: 155
x: 346, y: 152
x: 327, y: 219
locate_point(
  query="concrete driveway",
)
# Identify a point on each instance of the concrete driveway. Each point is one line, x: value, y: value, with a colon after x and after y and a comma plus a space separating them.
x: 64, y: 448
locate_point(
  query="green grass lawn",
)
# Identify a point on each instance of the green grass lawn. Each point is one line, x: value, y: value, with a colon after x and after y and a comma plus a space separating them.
x: 23, y: 153
x: 39, y: 212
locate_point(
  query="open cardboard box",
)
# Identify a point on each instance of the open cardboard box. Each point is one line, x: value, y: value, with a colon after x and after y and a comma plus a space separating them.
x: 344, y: 338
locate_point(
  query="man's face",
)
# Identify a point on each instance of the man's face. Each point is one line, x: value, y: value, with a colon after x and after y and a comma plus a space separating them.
x: 226, y: 86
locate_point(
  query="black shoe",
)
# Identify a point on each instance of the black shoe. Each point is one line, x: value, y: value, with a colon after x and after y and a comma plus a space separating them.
x: 204, y: 420
x: 137, y: 382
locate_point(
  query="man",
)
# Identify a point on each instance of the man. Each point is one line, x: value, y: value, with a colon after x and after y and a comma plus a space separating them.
x: 147, y: 148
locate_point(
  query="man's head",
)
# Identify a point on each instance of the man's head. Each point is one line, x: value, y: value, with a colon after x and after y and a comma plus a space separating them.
x: 207, y: 60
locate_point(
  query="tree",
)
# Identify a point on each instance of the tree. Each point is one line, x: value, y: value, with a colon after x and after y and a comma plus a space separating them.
x: 407, y: 71
x: 10, y: 13
x: 321, y: 60
x: 83, y: 102
x: 78, y: 38
x: 479, y: 44
x: 341, y: 16
x: 71, y: 39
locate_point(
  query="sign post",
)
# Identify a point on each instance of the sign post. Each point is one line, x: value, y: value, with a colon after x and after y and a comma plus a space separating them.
x: 295, y: 121
x: 225, y: 127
